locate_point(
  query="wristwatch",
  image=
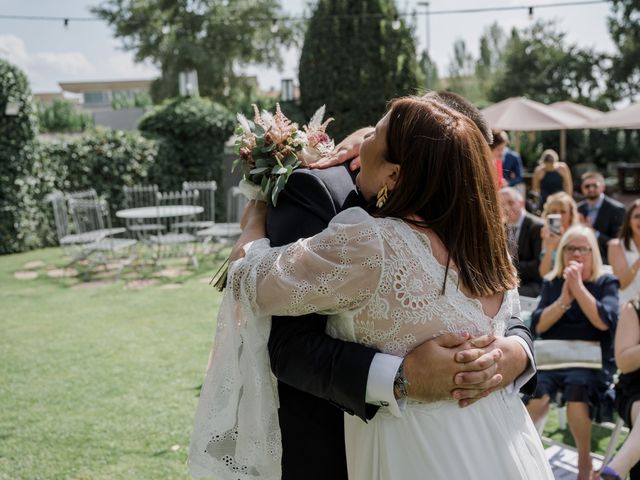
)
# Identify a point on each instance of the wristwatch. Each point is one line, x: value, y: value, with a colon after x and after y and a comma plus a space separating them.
x: 400, y: 383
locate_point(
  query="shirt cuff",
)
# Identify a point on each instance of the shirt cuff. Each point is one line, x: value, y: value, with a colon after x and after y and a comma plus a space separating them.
x: 528, y: 373
x: 382, y: 374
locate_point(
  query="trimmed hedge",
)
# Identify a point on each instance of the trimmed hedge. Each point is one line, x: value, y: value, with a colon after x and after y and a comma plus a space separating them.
x: 101, y: 159
x: 17, y: 133
x: 191, y: 133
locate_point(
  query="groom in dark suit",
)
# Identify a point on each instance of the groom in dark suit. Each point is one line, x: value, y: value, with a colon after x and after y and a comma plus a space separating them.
x: 602, y: 213
x: 320, y: 377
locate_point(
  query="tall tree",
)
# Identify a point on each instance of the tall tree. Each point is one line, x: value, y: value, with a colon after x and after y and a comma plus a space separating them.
x: 624, y: 26
x: 429, y: 69
x: 461, y: 74
x: 539, y: 64
x: 490, y: 61
x: 357, y: 55
x: 210, y: 37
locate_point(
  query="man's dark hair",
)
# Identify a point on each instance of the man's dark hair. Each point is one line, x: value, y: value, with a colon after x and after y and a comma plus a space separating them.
x: 466, y: 108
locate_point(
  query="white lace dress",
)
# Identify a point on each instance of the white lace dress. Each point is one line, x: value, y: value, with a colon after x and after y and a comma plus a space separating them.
x: 633, y: 289
x: 383, y: 286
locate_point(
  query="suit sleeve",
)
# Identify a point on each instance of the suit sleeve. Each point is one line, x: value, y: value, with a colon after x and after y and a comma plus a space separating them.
x: 616, y: 217
x: 515, y: 326
x: 302, y: 355
x: 529, y: 268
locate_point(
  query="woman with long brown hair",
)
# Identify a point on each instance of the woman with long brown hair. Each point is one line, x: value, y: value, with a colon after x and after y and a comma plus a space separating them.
x: 428, y: 258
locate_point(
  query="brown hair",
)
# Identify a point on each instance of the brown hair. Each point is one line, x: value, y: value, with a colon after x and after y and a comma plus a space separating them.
x: 625, y: 230
x: 498, y: 138
x: 446, y: 177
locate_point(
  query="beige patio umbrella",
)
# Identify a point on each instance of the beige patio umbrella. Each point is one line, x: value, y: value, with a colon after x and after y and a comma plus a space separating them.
x: 578, y: 110
x: 628, y: 117
x: 519, y: 113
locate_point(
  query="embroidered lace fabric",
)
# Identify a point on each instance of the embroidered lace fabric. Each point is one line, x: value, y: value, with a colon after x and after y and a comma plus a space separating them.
x: 383, y: 285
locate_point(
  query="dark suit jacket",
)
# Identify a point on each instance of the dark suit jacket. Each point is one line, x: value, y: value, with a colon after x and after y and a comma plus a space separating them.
x: 608, y: 221
x: 529, y: 247
x: 317, y: 373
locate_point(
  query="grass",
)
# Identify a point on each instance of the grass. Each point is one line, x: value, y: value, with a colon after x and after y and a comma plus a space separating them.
x: 102, y: 383
x: 99, y: 383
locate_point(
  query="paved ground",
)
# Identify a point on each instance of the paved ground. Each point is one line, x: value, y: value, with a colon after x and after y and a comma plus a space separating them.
x: 564, y: 462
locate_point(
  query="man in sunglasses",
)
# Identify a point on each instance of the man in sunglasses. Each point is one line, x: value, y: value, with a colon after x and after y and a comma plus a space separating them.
x: 601, y: 212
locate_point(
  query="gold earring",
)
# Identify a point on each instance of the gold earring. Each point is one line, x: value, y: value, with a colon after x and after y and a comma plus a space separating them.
x: 383, y: 195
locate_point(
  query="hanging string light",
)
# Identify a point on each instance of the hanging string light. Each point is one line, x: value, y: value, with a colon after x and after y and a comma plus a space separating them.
x: 396, y: 22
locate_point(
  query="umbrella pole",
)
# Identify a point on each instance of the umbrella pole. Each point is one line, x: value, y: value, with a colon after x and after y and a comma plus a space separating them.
x: 563, y: 145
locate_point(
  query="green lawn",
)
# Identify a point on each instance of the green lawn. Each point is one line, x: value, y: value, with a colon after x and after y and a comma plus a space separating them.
x: 99, y: 383
x: 102, y: 383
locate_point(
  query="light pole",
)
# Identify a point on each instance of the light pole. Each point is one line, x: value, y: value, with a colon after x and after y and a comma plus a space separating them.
x: 427, y: 46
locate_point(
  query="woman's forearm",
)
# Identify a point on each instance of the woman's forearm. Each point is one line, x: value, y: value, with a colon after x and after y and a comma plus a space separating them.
x: 629, y: 359
x: 546, y: 263
x: 589, y: 307
x: 551, y: 315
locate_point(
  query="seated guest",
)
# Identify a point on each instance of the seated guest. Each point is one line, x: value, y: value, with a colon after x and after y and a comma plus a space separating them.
x: 523, y: 230
x: 578, y: 302
x: 562, y: 204
x: 624, y: 255
x: 600, y: 212
x: 627, y: 460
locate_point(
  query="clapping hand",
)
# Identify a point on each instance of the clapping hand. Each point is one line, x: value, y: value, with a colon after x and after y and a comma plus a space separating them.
x: 572, y: 275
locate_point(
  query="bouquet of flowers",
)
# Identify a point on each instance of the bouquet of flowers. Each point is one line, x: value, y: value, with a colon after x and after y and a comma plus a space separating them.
x: 269, y: 149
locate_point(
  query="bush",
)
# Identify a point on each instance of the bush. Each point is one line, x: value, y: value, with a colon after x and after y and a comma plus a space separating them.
x: 191, y: 133
x: 62, y: 116
x: 17, y: 133
x: 102, y: 159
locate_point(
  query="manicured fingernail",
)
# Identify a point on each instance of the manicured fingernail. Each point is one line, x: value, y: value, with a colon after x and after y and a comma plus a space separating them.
x: 463, y: 403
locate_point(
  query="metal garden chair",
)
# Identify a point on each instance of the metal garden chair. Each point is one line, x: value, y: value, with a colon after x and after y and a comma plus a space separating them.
x: 138, y: 196
x: 92, y: 221
x: 176, y: 211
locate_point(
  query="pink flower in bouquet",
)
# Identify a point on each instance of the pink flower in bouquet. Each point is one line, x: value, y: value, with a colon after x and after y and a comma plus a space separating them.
x: 319, y: 144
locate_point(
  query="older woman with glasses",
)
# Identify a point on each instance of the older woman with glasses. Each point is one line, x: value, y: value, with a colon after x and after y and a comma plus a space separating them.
x: 578, y: 302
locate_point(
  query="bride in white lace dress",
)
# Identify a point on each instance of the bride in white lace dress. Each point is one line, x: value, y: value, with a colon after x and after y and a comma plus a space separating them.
x: 432, y: 260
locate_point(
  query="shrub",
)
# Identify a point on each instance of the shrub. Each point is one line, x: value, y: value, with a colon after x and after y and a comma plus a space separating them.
x: 102, y: 159
x: 62, y: 116
x: 191, y: 133
x: 17, y: 133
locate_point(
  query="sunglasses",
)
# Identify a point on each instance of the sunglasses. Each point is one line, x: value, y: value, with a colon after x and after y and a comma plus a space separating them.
x: 590, y: 185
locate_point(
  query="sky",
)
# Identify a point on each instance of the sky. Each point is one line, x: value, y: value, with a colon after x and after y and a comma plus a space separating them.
x: 49, y: 53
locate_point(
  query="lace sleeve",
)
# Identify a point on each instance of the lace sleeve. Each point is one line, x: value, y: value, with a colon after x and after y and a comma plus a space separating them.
x: 334, y: 271
x: 236, y: 435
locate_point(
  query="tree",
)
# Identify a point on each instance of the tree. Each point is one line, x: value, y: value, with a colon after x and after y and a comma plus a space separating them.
x: 210, y: 37
x: 430, y: 71
x: 357, y: 55
x: 490, y: 61
x: 18, y: 130
x: 538, y: 64
x: 625, y: 33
